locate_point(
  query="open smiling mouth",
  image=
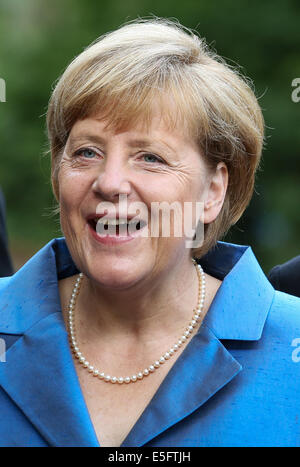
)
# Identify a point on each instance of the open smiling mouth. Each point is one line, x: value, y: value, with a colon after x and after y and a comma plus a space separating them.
x: 116, y: 227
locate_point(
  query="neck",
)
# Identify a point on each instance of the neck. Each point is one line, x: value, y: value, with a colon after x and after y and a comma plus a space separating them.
x: 143, y: 311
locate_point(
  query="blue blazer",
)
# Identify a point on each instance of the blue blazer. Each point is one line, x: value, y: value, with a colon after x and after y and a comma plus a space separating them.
x: 235, y: 384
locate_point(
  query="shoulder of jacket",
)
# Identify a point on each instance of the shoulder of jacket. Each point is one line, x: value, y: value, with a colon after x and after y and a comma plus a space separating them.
x: 286, y: 305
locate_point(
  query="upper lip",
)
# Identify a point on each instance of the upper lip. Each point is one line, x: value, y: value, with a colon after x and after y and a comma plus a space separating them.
x: 116, y: 215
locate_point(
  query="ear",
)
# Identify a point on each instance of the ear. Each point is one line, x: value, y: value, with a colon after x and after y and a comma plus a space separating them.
x: 216, y: 192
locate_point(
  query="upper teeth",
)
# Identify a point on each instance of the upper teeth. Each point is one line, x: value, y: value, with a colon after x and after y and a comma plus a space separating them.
x: 112, y: 221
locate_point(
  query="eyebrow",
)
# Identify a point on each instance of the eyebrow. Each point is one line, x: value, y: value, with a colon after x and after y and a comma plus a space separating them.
x: 144, y: 143
x: 87, y: 136
x: 134, y: 143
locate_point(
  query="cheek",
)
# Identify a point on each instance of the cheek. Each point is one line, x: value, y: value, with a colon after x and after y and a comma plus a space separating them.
x: 73, y: 187
x: 187, y: 184
x: 182, y: 197
x: 71, y: 197
x: 169, y: 188
x: 181, y: 206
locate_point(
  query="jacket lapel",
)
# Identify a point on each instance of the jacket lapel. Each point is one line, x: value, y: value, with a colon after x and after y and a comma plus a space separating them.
x: 201, y: 370
x: 39, y: 373
x: 241, y: 306
x: 40, y: 377
x: 238, y: 312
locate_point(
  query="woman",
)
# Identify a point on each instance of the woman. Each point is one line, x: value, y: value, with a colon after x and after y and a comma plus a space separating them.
x: 114, y: 335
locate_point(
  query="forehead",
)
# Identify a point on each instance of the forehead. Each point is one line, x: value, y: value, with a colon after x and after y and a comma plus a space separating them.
x: 156, y: 129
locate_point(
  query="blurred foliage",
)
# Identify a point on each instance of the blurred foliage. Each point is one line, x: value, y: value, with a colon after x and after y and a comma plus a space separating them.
x: 39, y: 38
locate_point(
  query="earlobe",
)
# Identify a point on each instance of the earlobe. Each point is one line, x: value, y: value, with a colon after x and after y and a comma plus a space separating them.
x: 216, y: 193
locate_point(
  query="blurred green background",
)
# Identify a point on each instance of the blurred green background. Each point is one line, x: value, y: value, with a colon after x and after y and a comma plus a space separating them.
x: 38, y: 39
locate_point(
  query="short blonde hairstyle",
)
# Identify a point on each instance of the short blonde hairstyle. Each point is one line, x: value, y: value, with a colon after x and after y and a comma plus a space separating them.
x: 122, y: 73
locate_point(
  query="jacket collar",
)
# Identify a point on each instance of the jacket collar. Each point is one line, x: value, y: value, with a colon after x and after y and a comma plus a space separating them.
x: 243, y: 282
x: 238, y: 311
x: 47, y: 389
x: 241, y: 305
x: 33, y: 290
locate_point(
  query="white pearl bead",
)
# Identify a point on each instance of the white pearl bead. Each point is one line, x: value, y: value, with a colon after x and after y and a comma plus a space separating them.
x: 157, y: 363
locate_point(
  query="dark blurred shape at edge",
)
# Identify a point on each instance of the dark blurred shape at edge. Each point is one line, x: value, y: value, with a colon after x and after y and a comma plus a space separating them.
x: 6, y: 268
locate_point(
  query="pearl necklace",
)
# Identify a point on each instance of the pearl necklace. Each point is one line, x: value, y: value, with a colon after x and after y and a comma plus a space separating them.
x: 151, y: 368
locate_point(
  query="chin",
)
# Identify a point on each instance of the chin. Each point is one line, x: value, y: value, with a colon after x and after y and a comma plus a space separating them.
x: 116, y: 273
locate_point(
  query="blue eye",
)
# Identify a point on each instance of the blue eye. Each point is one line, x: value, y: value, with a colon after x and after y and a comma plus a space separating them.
x: 86, y: 152
x: 151, y: 158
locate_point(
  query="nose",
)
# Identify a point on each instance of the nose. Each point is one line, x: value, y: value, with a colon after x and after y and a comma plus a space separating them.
x: 113, y: 180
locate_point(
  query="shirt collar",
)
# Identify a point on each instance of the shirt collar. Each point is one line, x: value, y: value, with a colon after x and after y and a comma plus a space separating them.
x: 238, y: 311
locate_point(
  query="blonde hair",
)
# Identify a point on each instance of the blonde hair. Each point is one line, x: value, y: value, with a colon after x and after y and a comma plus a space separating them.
x: 122, y: 73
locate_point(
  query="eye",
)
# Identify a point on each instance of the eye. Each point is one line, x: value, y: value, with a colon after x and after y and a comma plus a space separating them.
x: 152, y: 158
x: 87, y: 153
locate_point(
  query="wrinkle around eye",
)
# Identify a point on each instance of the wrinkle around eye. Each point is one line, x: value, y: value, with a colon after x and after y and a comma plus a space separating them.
x: 68, y: 162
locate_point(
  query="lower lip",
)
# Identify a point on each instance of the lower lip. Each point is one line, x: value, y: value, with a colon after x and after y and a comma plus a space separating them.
x: 110, y: 239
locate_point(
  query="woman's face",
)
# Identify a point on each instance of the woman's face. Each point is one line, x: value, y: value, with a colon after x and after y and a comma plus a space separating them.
x: 99, y: 167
